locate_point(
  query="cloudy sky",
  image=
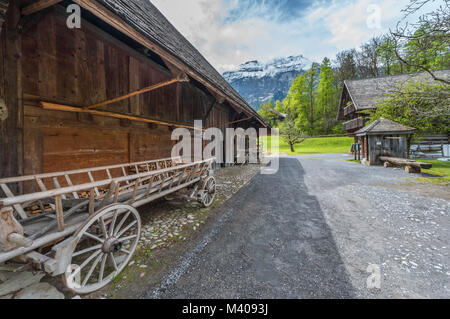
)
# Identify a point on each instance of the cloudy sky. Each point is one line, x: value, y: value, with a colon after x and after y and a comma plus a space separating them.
x: 231, y: 32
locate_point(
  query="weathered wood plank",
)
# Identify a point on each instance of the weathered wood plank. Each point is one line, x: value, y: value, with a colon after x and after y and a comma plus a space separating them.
x: 66, y: 108
x: 11, y: 122
x: 131, y: 94
x: 406, y: 162
x: 38, y: 6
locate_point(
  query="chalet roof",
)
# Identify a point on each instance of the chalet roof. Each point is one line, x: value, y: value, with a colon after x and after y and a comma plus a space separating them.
x: 366, y: 93
x: 145, y: 18
x: 382, y: 126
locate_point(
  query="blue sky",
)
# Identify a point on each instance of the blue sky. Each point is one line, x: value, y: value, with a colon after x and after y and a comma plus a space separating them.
x: 231, y: 32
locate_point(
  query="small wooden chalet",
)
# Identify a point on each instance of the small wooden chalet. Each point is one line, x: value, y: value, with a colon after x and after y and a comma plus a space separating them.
x: 362, y: 95
x: 107, y: 93
x: 384, y: 138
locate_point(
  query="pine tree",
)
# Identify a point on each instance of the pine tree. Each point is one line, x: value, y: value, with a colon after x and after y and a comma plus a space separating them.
x: 326, y: 97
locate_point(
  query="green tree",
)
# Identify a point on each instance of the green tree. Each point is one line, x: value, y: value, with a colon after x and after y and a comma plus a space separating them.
x: 424, y: 45
x: 300, y: 102
x: 268, y: 113
x: 291, y: 133
x: 327, y: 97
x: 419, y: 104
x: 389, y: 62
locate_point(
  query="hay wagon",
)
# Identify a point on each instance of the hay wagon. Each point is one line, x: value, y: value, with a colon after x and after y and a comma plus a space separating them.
x: 83, y: 224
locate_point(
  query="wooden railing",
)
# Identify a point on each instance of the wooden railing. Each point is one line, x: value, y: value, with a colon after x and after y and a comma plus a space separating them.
x: 354, y: 124
x: 349, y: 109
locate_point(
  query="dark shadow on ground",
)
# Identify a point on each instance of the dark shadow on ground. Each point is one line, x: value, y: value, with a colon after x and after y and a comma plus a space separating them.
x: 276, y: 244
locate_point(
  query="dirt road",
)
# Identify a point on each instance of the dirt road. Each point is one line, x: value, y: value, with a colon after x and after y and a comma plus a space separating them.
x: 313, y: 229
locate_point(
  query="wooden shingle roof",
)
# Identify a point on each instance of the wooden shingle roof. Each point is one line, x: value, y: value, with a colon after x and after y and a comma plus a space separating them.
x: 366, y: 93
x: 384, y: 126
x: 146, y: 19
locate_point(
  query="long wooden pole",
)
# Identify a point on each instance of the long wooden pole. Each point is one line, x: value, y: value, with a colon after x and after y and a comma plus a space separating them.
x: 138, y: 92
x: 239, y: 121
x: 66, y: 108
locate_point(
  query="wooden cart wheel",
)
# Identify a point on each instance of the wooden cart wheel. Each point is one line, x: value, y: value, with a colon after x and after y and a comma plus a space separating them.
x: 209, y: 191
x: 104, y: 246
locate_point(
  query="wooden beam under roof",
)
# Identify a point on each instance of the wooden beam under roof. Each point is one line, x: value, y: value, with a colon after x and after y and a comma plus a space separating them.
x: 38, y: 6
x: 67, y: 108
x: 182, y: 78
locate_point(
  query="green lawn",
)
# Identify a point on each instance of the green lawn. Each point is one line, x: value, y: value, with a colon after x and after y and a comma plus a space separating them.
x: 439, y: 168
x: 324, y: 145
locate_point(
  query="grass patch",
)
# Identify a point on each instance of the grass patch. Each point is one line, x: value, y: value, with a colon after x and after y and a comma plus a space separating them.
x: 322, y: 145
x: 441, y: 169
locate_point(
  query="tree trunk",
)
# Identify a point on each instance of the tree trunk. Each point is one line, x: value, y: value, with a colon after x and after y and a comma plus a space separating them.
x: 292, y: 147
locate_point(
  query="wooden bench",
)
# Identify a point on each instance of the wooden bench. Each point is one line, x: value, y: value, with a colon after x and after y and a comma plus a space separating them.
x: 410, y: 165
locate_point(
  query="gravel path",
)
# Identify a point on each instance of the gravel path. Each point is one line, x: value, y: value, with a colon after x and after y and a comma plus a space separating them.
x: 313, y: 229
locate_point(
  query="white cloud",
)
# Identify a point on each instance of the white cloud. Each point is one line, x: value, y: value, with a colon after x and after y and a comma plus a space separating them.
x: 321, y: 31
x: 357, y: 22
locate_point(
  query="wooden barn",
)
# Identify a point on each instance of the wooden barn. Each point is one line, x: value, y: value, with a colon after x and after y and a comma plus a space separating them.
x: 362, y: 95
x: 109, y: 92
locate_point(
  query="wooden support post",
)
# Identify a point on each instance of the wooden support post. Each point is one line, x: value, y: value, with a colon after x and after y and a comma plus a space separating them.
x: 205, y: 117
x: 136, y: 187
x: 111, y: 191
x: 116, y: 193
x: 150, y: 185
x: 59, y: 213
x: 91, y: 202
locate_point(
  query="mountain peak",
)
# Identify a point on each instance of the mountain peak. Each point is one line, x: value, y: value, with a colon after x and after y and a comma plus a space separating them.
x: 258, y: 82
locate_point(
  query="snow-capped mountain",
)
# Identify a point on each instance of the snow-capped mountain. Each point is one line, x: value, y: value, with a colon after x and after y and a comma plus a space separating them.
x: 259, y: 82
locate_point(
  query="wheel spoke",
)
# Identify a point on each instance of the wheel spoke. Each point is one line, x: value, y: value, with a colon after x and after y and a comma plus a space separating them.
x: 103, y: 227
x: 125, y: 251
x: 82, y: 252
x: 119, y: 226
x: 113, y: 223
x: 126, y: 228
x: 86, y: 262
x: 121, y: 240
x: 114, y: 261
x: 94, y: 265
x: 93, y: 237
x: 102, y: 268
x: 121, y: 223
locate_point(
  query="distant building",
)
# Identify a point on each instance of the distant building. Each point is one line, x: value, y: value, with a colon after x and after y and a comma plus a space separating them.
x: 361, y: 95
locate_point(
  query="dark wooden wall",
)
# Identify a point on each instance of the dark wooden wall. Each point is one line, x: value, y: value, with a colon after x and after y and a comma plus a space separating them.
x: 82, y: 67
x: 390, y: 146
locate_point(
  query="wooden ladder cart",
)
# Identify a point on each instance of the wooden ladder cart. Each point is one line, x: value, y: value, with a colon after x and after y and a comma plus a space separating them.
x: 88, y: 217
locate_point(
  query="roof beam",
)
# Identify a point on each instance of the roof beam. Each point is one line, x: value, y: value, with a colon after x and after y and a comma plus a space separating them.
x: 38, y: 6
